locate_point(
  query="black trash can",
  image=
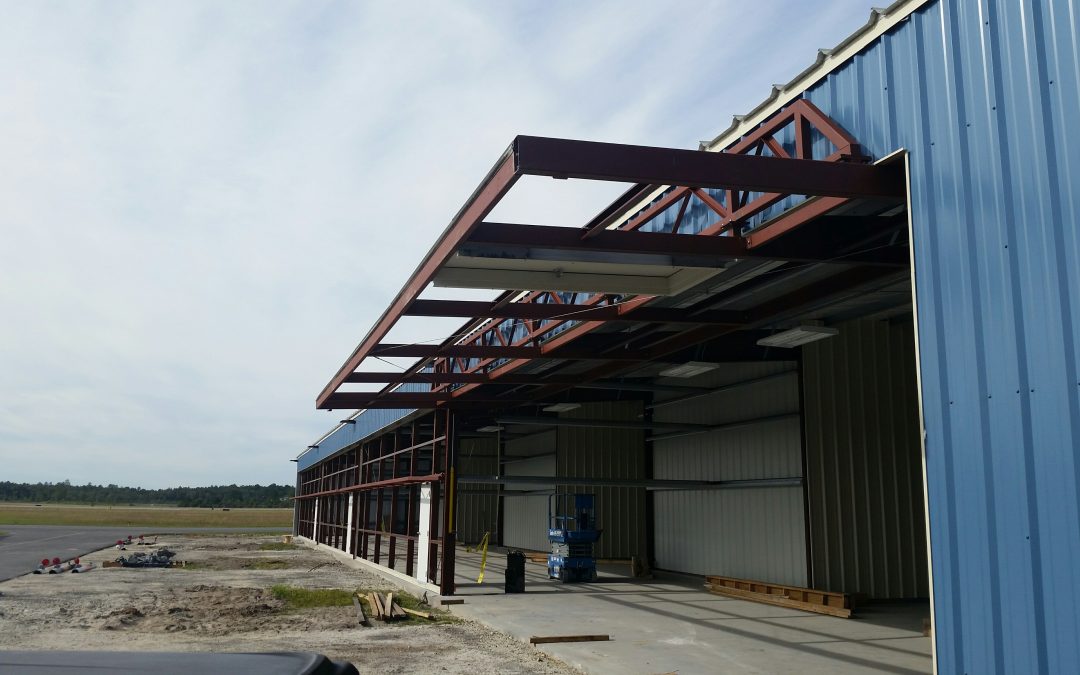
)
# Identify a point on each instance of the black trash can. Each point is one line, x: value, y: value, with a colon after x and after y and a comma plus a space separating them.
x: 515, y: 572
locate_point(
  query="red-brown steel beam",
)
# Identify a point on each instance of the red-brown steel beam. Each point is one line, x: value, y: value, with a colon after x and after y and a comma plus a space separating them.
x: 828, y: 291
x: 469, y: 351
x: 523, y: 310
x: 390, y: 482
x: 648, y: 214
x: 352, y: 399
x: 537, y: 329
x: 456, y: 378
x: 708, y: 249
x: 591, y: 160
x: 497, y: 183
x: 793, y: 219
x: 473, y: 351
x: 607, y: 241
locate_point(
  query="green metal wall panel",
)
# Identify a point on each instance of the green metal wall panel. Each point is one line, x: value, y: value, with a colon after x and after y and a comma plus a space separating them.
x: 864, y: 464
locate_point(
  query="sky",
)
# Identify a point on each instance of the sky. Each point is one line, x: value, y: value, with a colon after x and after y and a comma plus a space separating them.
x: 204, y: 206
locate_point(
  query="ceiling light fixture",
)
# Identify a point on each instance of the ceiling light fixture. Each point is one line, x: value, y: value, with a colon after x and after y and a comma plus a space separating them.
x: 689, y: 369
x: 561, y: 407
x: 798, y: 336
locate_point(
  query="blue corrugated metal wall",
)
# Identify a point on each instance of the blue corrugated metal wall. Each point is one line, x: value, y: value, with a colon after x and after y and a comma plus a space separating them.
x: 986, y: 97
x: 367, y: 423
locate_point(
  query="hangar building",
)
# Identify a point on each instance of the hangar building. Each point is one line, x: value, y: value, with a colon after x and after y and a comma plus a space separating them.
x: 835, y: 347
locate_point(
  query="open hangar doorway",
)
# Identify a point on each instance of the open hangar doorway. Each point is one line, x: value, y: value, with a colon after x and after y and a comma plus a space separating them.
x: 814, y: 457
x: 811, y: 452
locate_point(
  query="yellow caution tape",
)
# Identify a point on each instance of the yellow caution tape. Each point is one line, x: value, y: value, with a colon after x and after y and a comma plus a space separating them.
x: 483, y: 558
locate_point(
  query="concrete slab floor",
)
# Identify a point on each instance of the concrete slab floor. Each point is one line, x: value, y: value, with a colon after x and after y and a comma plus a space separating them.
x: 670, y: 624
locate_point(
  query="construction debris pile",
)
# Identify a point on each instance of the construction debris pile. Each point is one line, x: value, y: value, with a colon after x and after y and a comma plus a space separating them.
x: 162, y: 557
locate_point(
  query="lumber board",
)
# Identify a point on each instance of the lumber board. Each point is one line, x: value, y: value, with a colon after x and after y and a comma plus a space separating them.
x: 376, y: 605
x: 548, y: 639
x: 422, y: 615
x: 452, y: 601
x: 360, y: 615
x: 780, y: 601
x: 760, y: 586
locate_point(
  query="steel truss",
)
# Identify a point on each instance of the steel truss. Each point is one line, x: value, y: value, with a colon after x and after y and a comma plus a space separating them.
x: 754, y: 175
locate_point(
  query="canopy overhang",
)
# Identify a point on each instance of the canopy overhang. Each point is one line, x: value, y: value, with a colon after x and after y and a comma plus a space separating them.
x: 639, y: 295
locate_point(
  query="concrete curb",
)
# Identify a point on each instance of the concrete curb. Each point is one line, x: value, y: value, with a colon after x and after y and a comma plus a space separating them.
x: 402, y: 581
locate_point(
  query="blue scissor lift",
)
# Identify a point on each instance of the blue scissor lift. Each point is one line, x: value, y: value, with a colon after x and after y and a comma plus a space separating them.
x: 572, y: 533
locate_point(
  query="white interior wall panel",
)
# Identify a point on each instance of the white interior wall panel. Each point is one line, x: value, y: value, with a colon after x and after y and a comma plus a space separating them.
x: 754, y: 533
x: 525, y: 517
x: 613, y: 454
x: 864, y: 466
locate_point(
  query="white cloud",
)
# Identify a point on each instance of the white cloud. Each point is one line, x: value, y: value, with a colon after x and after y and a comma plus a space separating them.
x: 204, y: 206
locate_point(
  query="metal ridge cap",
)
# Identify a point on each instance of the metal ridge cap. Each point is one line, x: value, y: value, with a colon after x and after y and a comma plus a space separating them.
x: 827, y: 60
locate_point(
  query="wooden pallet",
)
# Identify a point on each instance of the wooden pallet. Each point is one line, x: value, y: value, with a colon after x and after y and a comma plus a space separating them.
x: 795, y: 597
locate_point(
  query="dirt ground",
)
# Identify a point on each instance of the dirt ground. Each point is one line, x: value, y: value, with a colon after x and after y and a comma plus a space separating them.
x: 222, y: 602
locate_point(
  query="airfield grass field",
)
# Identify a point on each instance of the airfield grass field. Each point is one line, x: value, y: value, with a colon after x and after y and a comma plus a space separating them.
x: 145, y: 516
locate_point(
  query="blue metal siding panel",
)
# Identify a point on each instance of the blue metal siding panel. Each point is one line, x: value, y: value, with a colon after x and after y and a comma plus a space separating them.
x: 367, y: 423
x: 986, y: 98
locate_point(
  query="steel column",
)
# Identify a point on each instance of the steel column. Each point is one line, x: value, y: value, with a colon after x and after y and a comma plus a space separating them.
x: 449, y: 537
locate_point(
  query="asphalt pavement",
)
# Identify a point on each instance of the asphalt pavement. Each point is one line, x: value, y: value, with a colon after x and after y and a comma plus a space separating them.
x: 26, y: 545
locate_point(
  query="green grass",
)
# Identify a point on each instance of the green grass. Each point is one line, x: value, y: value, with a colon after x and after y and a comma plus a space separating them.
x: 268, y: 565
x: 277, y: 546
x: 303, y: 598
x: 139, y: 518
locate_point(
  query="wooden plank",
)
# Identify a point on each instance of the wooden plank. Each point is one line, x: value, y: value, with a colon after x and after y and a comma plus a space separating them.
x: 388, y: 604
x: 376, y: 605
x: 397, y: 612
x: 780, y: 600
x: 360, y: 615
x: 422, y: 615
x: 543, y: 640
x: 746, y: 584
x: 452, y: 601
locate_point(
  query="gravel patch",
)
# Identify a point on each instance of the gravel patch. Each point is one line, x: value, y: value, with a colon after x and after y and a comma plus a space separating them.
x: 222, y: 602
